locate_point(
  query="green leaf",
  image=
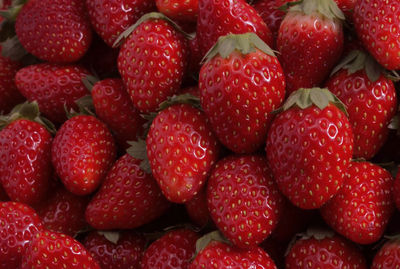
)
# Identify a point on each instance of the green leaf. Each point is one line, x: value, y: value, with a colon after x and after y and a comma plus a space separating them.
x: 12, y: 49
x: 203, y: 241
x: 327, y: 8
x: 89, y: 81
x: 111, y: 236
x: 138, y: 151
x: 185, y: 98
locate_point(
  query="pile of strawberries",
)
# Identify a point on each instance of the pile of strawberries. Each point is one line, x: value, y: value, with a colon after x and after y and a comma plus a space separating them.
x: 199, y: 134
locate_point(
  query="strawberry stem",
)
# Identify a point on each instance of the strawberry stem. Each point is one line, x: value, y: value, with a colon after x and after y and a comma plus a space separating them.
x: 327, y: 8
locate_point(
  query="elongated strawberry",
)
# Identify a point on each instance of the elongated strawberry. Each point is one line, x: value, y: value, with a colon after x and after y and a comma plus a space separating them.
x: 310, y: 42
x: 388, y: 255
x: 240, y: 84
x: 309, y: 147
x: 54, y: 30
x: 185, y: 11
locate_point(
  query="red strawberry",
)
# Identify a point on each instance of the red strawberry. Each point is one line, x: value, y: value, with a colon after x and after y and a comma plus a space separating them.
x: 82, y: 152
x: 186, y: 11
x: 110, y: 18
x: 18, y: 225
x: 240, y: 84
x: 376, y: 22
x: 361, y: 209
x: 370, y: 100
x: 197, y: 209
x: 54, y: 30
x: 388, y: 255
x: 219, y: 18
x: 174, y: 250
x: 309, y: 147
x: 243, y: 199
x: 347, y: 6
x: 53, y: 87
x: 310, y: 42
x: 181, y: 149
x: 56, y: 250
x: 115, y: 250
x: 127, y: 199
x: 152, y: 61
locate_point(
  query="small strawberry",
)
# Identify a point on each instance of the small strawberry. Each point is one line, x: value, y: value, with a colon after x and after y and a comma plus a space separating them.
x: 186, y: 11
x: 128, y: 198
x: 388, y: 256
x: 51, y: 250
x: 82, y: 152
x: 376, y: 23
x: 197, y: 209
x: 309, y: 147
x: 240, y: 84
x: 361, y: 209
x: 310, y: 42
x: 56, y: 31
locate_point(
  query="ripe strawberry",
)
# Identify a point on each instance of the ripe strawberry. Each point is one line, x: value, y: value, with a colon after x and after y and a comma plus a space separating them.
x: 370, y: 100
x: 56, y: 250
x: 186, y: 11
x: 175, y: 249
x: 376, y: 22
x: 243, y: 199
x: 82, y: 152
x: 181, y: 149
x: 309, y: 147
x: 361, y: 209
x: 310, y: 42
x: 388, y: 255
x: 18, y: 225
x: 128, y: 198
x: 53, y: 87
x: 152, y: 61
x: 56, y: 31
x: 347, y: 6
x: 219, y: 18
x: 116, y: 250
x: 197, y: 209
x: 240, y: 84
x: 110, y: 18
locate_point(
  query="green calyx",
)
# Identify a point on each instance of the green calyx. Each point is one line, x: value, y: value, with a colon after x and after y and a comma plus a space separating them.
x: 203, y: 241
x: 327, y: 8
x: 138, y: 150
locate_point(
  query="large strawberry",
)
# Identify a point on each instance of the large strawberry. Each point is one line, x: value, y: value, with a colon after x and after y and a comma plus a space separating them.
x: 54, y: 30
x: 376, y: 23
x: 370, y: 99
x: 361, y: 209
x: 309, y: 147
x: 387, y: 256
x: 310, y: 42
x: 241, y: 83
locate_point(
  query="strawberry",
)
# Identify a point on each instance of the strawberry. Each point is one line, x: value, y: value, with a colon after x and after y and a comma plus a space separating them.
x: 18, y: 225
x: 219, y: 18
x: 240, y: 84
x: 388, y: 255
x: 53, y: 87
x: 243, y: 199
x: 310, y: 42
x: 115, y: 250
x: 376, y: 22
x: 365, y: 93
x: 82, y: 152
x: 197, y: 209
x: 175, y: 249
x: 56, y: 250
x: 186, y: 11
x: 110, y: 18
x: 152, y: 61
x: 181, y: 149
x: 309, y: 147
x: 361, y: 209
x: 56, y: 31
x: 347, y: 6
x: 128, y: 198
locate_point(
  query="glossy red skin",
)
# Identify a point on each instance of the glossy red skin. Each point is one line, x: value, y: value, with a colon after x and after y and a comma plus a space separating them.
x: 114, y: 107
x: 197, y: 209
x: 109, y: 18
x: 125, y: 254
x: 370, y: 105
x: 179, y: 10
x: 374, y: 21
x: 25, y: 161
x: 128, y: 198
x: 309, y: 46
x: 82, y: 152
x: 388, y: 256
x: 182, y: 150
x: 173, y: 250
x: 152, y: 62
x: 308, y: 164
x: 347, y: 6
x: 19, y: 223
x: 219, y: 18
x: 52, y: 86
x: 221, y: 255
x: 56, y: 250
x: 328, y: 253
x: 238, y: 95
x: 56, y: 31
x: 361, y: 210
